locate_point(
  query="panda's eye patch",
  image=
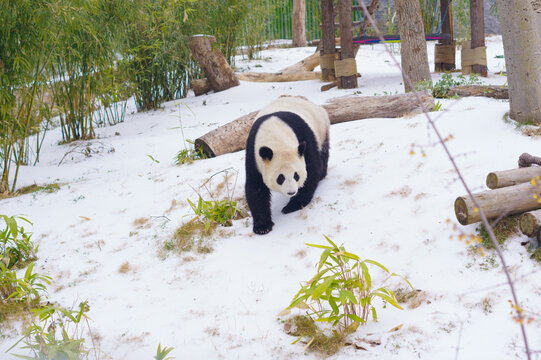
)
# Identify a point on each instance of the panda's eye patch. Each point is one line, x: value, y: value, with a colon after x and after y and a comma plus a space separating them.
x: 296, y: 177
x: 280, y: 180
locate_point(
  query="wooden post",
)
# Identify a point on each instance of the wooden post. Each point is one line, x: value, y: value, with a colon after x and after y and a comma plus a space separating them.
x: 328, y: 50
x: 444, y: 54
x: 346, y: 68
x: 477, y: 16
x: 477, y: 20
x: 298, y: 23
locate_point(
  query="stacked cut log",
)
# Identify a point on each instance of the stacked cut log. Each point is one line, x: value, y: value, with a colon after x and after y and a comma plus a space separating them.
x: 516, y: 191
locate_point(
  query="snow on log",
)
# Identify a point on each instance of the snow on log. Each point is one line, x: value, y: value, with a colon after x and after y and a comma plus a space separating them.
x: 499, y: 202
x: 530, y: 222
x: 499, y: 179
x: 232, y: 136
x: 219, y: 74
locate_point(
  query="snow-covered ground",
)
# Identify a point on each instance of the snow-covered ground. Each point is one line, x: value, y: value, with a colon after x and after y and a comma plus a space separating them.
x: 119, y: 207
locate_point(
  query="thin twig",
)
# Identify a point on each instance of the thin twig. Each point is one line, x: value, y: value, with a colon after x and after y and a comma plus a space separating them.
x: 460, y: 176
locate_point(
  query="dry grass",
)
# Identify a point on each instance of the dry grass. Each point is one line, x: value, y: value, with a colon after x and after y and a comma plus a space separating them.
x: 403, y: 192
x: 532, y: 131
x: 414, y: 298
x: 141, y: 222
x: 124, y: 268
x: 192, y: 236
x: 504, y: 229
x: 304, y: 326
x: 16, y: 311
x: 30, y: 189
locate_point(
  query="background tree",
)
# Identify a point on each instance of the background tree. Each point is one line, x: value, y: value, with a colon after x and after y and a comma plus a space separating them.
x: 520, y: 22
x: 298, y: 20
x: 412, y: 42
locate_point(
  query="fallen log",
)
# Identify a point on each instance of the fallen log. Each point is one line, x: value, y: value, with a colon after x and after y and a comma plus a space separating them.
x: 530, y: 222
x: 296, y: 72
x: 232, y: 136
x: 278, y: 77
x: 499, y: 202
x: 355, y: 108
x: 496, y: 92
x: 499, y: 179
x: 228, y: 138
x: 219, y: 74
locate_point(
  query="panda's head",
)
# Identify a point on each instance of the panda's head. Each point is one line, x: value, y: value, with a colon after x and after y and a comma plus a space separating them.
x: 284, y: 170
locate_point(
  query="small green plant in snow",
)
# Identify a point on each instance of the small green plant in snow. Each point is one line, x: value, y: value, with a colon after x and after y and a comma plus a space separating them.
x: 162, y: 353
x: 57, y: 333
x: 342, y: 292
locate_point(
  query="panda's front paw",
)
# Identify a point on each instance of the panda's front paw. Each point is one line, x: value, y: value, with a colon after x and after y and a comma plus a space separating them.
x: 291, y: 207
x: 262, y: 229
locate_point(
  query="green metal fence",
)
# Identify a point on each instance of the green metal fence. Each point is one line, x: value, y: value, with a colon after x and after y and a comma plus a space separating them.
x: 279, y: 20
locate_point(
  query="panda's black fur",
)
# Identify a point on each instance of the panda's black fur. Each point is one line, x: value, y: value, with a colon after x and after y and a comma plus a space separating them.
x: 257, y: 192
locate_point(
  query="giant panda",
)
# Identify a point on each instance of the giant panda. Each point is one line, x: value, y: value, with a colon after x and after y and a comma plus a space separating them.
x: 287, y: 151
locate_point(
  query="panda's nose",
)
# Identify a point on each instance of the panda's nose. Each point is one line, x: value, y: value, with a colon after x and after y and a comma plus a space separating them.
x: 291, y: 193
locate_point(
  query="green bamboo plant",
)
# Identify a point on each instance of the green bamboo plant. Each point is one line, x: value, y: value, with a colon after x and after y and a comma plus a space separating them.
x: 155, y: 52
x: 87, y: 48
x: 26, y: 42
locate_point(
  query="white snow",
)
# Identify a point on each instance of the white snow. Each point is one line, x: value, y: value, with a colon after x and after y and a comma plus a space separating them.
x: 378, y: 200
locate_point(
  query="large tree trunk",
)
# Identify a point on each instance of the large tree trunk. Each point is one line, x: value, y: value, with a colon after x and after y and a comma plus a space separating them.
x: 346, y: 68
x: 232, y: 136
x: 219, y: 74
x: 298, y: 22
x: 412, y: 42
x: 521, y: 33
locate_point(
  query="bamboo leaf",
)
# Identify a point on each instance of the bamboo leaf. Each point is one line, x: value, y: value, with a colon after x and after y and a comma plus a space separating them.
x: 366, y: 275
x: 377, y: 264
x: 346, y: 294
x: 356, y: 318
x: 323, y: 287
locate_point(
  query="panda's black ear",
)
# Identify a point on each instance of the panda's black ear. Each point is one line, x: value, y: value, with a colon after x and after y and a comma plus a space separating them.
x: 301, y: 148
x: 265, y: 153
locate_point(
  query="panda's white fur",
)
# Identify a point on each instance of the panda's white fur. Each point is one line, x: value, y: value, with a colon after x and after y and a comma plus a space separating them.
x: 286, y: 161
x: 314, y: 115
x: 287, y: 150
